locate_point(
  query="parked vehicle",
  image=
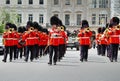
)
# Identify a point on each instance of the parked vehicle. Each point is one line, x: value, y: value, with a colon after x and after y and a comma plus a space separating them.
x: 72, y: 43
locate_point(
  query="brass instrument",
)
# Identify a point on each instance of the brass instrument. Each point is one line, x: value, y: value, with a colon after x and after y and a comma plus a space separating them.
x: 10, y: 30
x: 62, y: 28
x: 87, y: 30
x: 117, y: 27
x: 31, y: 28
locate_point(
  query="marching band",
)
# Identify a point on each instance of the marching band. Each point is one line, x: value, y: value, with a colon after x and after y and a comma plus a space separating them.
x: 37, y: 41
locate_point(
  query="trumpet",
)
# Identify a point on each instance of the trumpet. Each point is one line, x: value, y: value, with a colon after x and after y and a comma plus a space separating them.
x: 10, y: 30
x: 31, y: 28
x: 87, y: 29
x: 62, y: 28
x: 117, y: 27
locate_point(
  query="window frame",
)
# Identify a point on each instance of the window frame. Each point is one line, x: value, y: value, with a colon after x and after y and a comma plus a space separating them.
x: 67, y: 20
x: 41, y: 2
x: 41, y: 18
x: 30, y: 17
x: 78, y: 19
x: 56, y: 2
x: 19, y: 18
x: 30, y: 2
x: 67, y: 2
x: 7, y: 1
x: 19, y: 2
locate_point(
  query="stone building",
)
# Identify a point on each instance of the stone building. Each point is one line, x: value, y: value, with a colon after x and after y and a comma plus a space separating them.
x: 71, y: 12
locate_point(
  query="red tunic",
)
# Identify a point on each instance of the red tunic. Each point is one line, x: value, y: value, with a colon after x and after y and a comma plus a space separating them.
x: 54, y: 38
x: 84, y: 37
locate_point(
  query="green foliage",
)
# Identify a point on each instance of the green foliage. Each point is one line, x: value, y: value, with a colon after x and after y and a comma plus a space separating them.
x: 8, y: 16
x: 1, y: 28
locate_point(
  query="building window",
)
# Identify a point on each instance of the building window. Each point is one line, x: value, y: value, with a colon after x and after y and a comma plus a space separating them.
x: 7, y: 1
x: 30, y: 17
x: 79, y: 2
x: 94, y: 3
x: 103, y: 3
x: 67, y: 2
x: 102, y: 19
x: 93, y: 19
x: 19, y: 18
x: 30, y: 1
x: 78, y: 19
x: 67, y: 19
x: 56, y: 2
x: 41, y: 18
x: 19, y: 1
x: 41, y: 1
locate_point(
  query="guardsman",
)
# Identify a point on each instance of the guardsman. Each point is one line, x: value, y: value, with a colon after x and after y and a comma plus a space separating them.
x: 15, y: 40
x: 103, y: 42
x: 84, y: 40
x: 113, y: 34
x: 28, y: 37
x: 8, y: 41
x: 20, y: 42
x: 36, y: 38
x: 45, y: 41
x: 53, y: 40
x: 62, y: 42
x: 98, y: 41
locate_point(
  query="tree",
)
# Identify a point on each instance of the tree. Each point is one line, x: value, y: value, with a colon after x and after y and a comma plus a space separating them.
x: 7, y: 16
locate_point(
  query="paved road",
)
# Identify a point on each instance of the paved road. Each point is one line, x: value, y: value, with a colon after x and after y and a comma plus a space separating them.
x: 98, y: 68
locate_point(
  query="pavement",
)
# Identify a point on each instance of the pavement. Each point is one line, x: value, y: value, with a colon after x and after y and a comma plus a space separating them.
x: 98, y: 68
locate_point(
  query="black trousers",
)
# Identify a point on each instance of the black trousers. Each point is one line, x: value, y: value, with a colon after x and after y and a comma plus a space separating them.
x: 20, y: 51
x: 103, y: 49
x: 108, y: 50
x: 84, y: 52
x: 99, y: 49
x: 15, y: 51
x: 29, y: 49
x: 114, y: 51
x: 8, y: 50
x: 53, y: 49
x: 36, y: 50
x: 61, y: 51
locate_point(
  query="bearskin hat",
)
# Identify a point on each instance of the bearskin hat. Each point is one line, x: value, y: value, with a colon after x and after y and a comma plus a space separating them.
x: 35, y: 25
x: 60, y: 23
x: 29, y: 24
x: 103, y: 29
x: 24, y: 29
x: 114, y: 21
x: 20, y: 29
x: 85, y: 23
x: 14, y: 26
x: 99, y: 30
x: 45, y: 30
x: 54, y: 20
x: 40, y: 28
x: 7, y: 25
